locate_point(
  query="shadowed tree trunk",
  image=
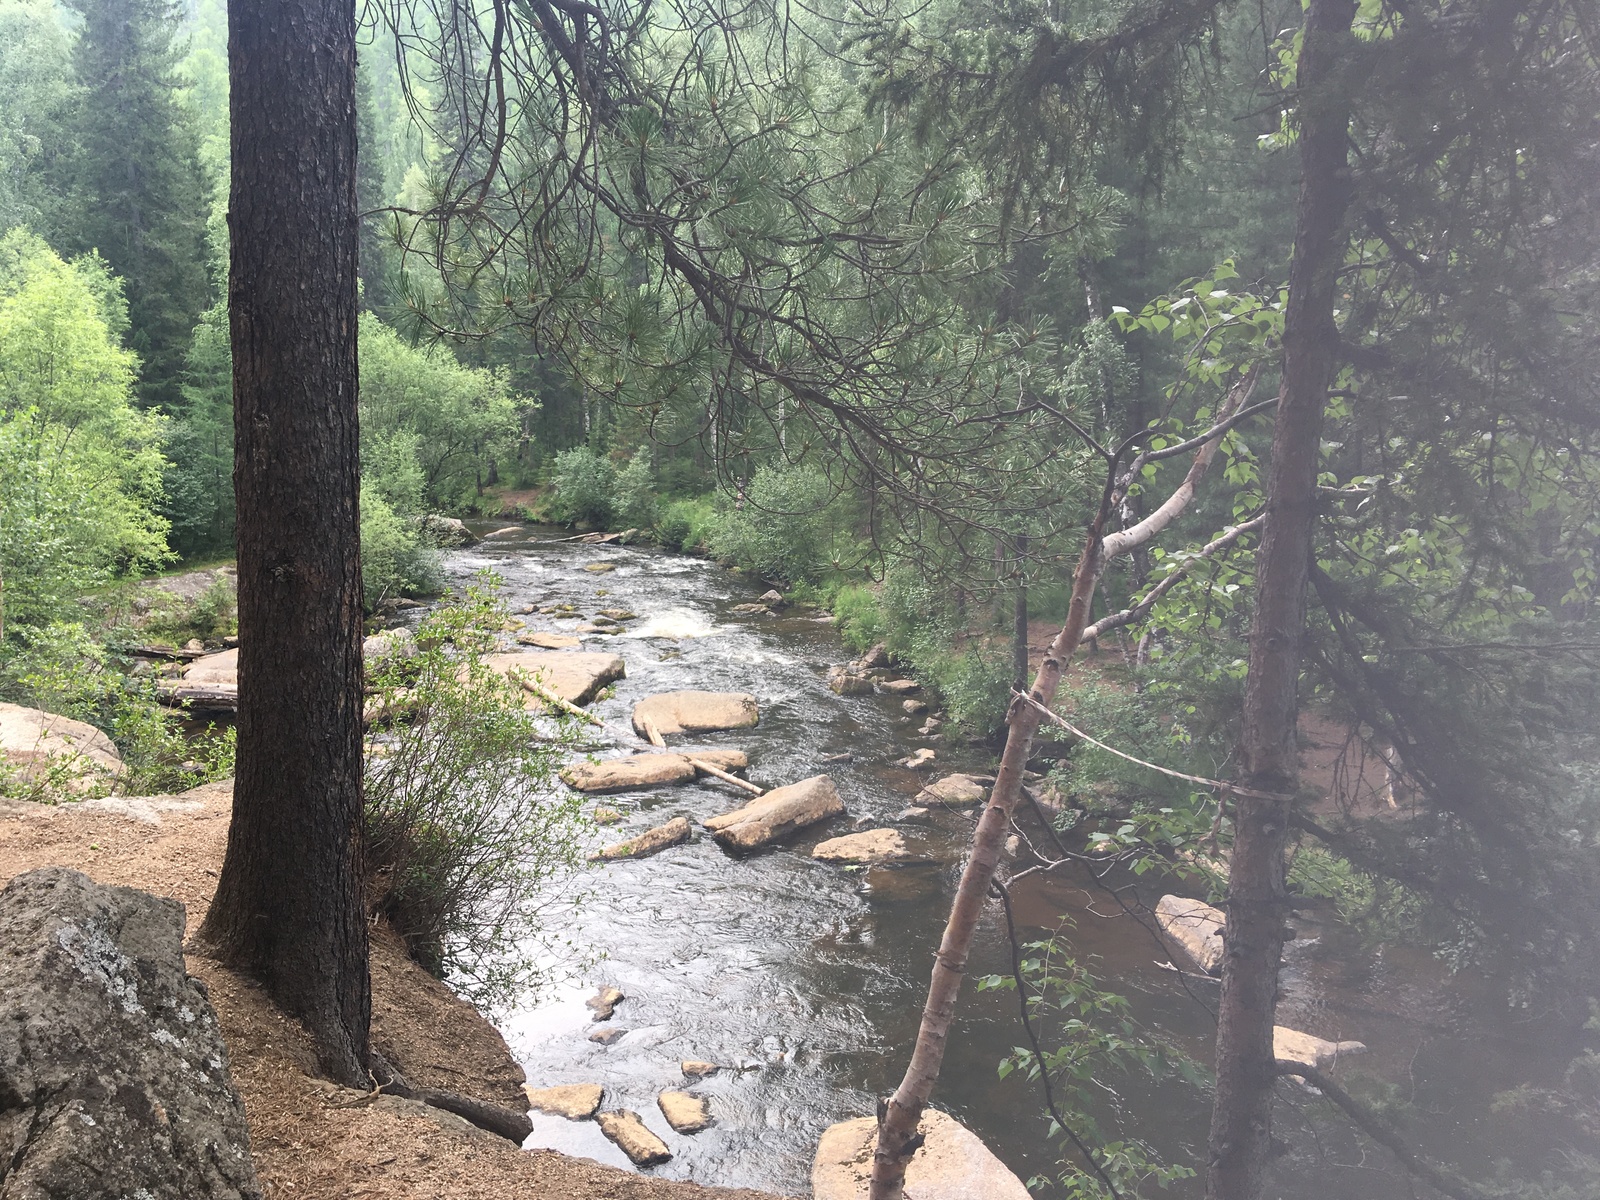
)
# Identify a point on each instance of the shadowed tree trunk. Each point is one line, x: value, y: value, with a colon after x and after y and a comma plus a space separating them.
x: 1258, y: 902
x: 288, y: 907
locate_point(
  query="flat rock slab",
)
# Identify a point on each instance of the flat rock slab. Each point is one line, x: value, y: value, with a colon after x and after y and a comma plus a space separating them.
x: 695, y: 712
x: 1196, y: 927
x: 223, y: 667
x: 629, y: 1133
x: 900, y: 687
x: 116, y: 1080
x: 779, y: 813
x: 650, y: 842
x: 599, y: 568
x: 573, y: 675
x: 918, y: 759
x: 872, y: 846
x: 35, y: 741
x: 952, y: 1164
x: 646, y: 770
x: 954, y: 791
x: 1311, y: 1051
x: 684, y: 1111
x: 574, y: 1101
x: 549, y: 641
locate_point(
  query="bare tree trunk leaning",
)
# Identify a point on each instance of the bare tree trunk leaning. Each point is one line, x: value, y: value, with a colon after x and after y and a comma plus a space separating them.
x: 900, y: 1114
x: 1258, y: 902
x: 289, y: 906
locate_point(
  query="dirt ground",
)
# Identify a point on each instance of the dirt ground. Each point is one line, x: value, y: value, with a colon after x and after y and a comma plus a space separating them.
x: 311, y: 1138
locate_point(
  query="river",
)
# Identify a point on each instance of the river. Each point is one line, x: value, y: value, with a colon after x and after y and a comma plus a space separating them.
x: 805, y: 981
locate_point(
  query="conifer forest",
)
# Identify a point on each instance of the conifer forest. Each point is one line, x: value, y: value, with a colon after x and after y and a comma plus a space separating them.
x: 852, y: 598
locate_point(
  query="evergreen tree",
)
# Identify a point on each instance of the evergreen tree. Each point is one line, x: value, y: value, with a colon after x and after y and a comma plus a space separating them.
x: 36, y: 81
x: 135, y: 189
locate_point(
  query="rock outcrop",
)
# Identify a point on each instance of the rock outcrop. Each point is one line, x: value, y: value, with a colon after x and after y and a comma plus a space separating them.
x: 573, y: 675
x: 779, y: 813
x: 646, y: 770
x: 650, y: 842
x: 871, y: 846
x: 629, y: 1133
x: 1196, y: 928
x: 113, y: 1073
x: 952, y: 1163
x: 695, y: 712
x: 574, y: 1101
x: 42, y: 744
x: 447, y: 531
x: 955, y: 791
x: 684, y: 1111
x: 1311, y: 1051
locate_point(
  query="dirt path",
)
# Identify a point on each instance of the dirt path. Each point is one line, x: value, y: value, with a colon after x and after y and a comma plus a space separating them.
x: 310, y: 1138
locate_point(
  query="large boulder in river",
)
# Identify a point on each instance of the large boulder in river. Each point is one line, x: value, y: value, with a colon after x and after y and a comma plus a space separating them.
x: 955, y: 791
x: 646, y: 770
x: 869, y: 846
x: 446, y: 531
x: 574, y: 676
x: 1196, y: 927
x: 44, y: 744
x: 113, y: 1073
x: 952, y: 1163
x: 777, y: 814
x: 695, y: 712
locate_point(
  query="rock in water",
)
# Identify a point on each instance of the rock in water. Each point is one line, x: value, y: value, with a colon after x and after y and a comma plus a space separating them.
x: 952, y: 1164
x: 574, y: 676
x: 695, y: 712
x: 873, y: 659
x: 447, y: 531
x: 606, y: 1036
x: 873, y: 846
x: 388, y: 644
x: 1311, y: 1051
x: 954, y: 791
x: 604, y: 1002
x: 917, y: 759
x: 849, y: 683
x: 638, y: 1143
x: 1196, y: 927
x: 650, y: 842
x: 646, y: 770
x: 779, y: 813
x: 685, y: 1112
x: 549, y: 641
x: 574, y: 1101
x: 35, y: 741
x: 693, y: 1068
x: 773, y: 598
x: 899, y: 687
x: 113, y: 1072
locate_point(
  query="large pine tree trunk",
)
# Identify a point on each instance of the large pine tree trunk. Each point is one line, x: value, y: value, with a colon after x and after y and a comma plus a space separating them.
x: 1257, y: 905
x: 289, y: 906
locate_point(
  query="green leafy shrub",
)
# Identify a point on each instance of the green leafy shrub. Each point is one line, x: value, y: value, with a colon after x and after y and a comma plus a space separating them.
x: 634, y: 499
x: 859, y: 616
x: 61, y: 669
x: 467, y: 836
x: 792, y: 527
x: 585, y: 485
x: 396, y: 558
x: 685, y: 524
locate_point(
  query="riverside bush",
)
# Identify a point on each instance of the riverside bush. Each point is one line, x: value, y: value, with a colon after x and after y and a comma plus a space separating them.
x: 685, y: 524
x: 792, y: 527
x: 468, y: 836
x: 634, y: 500
x: 396, y: 558
x: 585, y: 486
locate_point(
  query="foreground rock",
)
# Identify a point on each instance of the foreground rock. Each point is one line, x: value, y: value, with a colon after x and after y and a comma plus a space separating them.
x: 574, y: 676
x: 629, y: 1133
x: 952, y: 1164
x: 650, y: 842
x: 574, y: 1101
x: 695, y: 712
x: 646, y: 770
x: 48, y: 748
x: 779, y: 813
x: 684, y: 1111
x: 113, y: 1074
x: 1196, y: 927
x: 1311, y: 1051
x: 873, y: 846
x: 955, y: 791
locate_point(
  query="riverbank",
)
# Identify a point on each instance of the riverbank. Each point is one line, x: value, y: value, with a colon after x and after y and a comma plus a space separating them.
x: 310, y: 1138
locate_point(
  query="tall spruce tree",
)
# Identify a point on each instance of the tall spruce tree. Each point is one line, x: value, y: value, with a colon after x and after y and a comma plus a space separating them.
x: 134, y: 187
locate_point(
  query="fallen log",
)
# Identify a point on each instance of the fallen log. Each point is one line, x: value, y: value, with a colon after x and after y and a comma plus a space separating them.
x: 700, y: 764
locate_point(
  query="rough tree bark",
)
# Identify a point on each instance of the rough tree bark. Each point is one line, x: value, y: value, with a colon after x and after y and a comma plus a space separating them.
x: 900, y: 1114
x: 289, y: 906
x: 1258, y: 902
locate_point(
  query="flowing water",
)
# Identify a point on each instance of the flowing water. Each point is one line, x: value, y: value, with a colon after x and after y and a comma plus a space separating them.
x: 805, y: 982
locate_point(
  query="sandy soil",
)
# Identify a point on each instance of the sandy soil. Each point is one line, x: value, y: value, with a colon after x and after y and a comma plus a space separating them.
x: 311, y: 1138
